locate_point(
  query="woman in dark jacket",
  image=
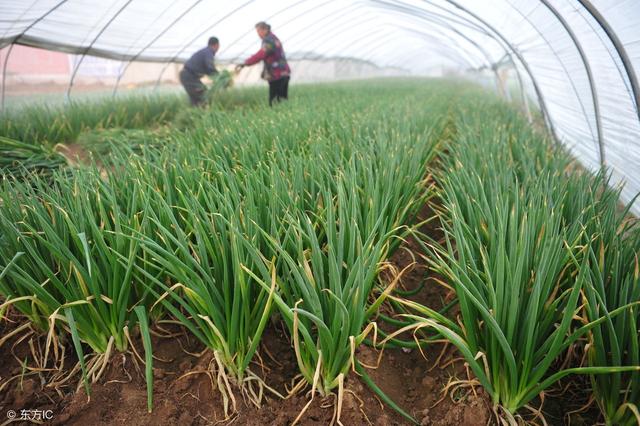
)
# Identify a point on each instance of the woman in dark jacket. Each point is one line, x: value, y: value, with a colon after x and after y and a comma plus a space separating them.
x: 276, y: 70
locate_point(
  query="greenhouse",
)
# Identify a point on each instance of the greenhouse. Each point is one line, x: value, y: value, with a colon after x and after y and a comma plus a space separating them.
x: 310, y: 212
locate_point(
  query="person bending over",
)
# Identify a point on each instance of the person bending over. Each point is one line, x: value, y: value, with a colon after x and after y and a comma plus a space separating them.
x: 276, y: 69
x: 199, y: 65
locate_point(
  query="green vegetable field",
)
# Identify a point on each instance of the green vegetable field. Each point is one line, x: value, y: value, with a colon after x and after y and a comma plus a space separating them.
x: 397, y: 251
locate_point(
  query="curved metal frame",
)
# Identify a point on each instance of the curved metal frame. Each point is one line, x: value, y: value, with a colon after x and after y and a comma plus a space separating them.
x: 525, y: 64
x: 88, y: 48
x: 592, y: 23
x: 587, y: 67
x: 622, y: 52
x: 561, y: 62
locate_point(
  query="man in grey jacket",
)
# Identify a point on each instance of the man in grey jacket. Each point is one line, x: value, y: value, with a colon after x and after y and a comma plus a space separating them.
x: 199, y: 65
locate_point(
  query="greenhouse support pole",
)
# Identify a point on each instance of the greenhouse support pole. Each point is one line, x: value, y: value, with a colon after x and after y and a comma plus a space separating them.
x: 525, y: 100
x: 612, y: 53
x: 84, y: 54
x: 504, y: 91
x: 163, y: 32
x: 619, y: 46
x: 587, y: 67
x: 543, y: 105
x: 15, y: 40
x: 523, y: 93
x: 564, y: 68
x: 4, y: 74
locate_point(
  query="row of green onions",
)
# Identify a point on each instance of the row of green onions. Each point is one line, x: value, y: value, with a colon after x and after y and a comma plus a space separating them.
x: 223, y: 224
x: 542, y: 259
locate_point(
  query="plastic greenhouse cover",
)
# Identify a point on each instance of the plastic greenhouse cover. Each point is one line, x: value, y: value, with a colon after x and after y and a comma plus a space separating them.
x: 567, y: 61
